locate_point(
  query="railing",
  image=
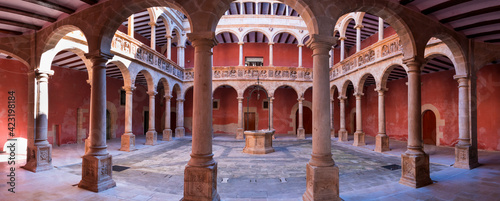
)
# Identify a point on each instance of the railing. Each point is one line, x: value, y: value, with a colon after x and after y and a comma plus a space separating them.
x: 379, y: 51
x: 253, y: 72
x: 124, y: 45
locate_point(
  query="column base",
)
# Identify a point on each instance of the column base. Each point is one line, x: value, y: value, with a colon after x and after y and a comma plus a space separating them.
x: 359, y: 139
x: 179, y: 132
x: 200, y: 183
x: 239, y: 134
x: 343, y: 137
x: 381, y: 143
x: 39, y: 158
x: 128, y: 142
x: 465, y: 157
x: 301, y: 133
x: 167, y: 135
x: 415, y: 170
x: 96, y: 173
x: 322, y: 183
x: 332, y: 133
x: 151, y: 138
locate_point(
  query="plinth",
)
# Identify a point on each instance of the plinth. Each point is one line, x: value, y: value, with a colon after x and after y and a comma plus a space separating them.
x: 258, y: 142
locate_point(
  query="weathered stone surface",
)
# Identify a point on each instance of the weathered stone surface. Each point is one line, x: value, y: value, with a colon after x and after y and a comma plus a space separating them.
x: 359, y: 139
x: 97, y: 173
x: 465, y: 157
x: 128, y: 142
x: 151, y: 138
x: 381, y: 143
x: 322, y: 183
x: 39, y: 158
x: 415, y: 170
x: 259, y: 142
x: 200, y: 183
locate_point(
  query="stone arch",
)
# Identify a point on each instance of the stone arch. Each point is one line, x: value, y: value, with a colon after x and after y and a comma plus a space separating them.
x: 284, y: 31
x: 177, y: 89
x: 127, y: 79
x: 260, y: 30
x: 217, y: 85
x: 345, y: 86
x: 166, y: 22
x: 16, y: 57
x: 458, y: 54
x: 163, y: 81
x: 333, y: 88
x: 345, y: 22
x: 439, y: 121
x: 239, y: 36
x: 250, y: 84
x: 387, y: 71
x: 459, y: 65
x: 303, y: 39
x: 286, y: 85
x: 180, y: 39
x: 149, y: 79
x: 261, y: 86
x: 362, y: 80
x: 53, y: 46
x: 293, y: 111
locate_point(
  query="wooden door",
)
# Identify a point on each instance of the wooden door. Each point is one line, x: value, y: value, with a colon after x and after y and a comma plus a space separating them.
x: 249, y: 121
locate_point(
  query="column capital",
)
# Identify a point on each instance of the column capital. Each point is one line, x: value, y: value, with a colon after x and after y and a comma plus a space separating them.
x: 302, y: 45
x: 152, y: 24
x: 41, y: 73
x: 98, y: 57
x: 241, y: 43
x: 271, y: 99
x: 342, y: 38
x: 180, y: 100
x: 202, y: 38
x: 300, y: 99
x: 152, y: 93
x: 342, y: 98
x: 380, y: 89
x: 414, y: 64
x: 270, y: 43
x: 463, y: 80
x: 128, y: 88
x: 240, y: 98
x: 168, y: 36
x: 167, y: 96
x: 359, y: 26
x: 181, y: 46
x: 358, y: 94
x: 321, y: 42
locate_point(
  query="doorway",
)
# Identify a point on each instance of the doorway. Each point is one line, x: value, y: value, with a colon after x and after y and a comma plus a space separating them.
x: 249, y: 121
x: 108, y: 125
x: 429, y: 127
x: 173, y: 122
x: 146, y: 122
x: 307, y: 120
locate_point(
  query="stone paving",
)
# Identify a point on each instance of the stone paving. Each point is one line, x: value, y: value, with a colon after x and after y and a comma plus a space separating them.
x: 156, y: 173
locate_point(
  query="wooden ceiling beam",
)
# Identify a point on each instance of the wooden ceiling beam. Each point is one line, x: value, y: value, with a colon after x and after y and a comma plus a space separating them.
x: 51, y: 5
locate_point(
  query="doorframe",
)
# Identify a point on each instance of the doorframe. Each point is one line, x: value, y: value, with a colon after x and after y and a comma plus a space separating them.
x: 439, y: 122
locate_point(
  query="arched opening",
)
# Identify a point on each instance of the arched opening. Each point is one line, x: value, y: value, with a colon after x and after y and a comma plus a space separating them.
x: 256, y: 108
x: 225, y: 111
x: 108, y: 125
x: 429, y: 128
x: 307, y: 112
x: 285, y: 99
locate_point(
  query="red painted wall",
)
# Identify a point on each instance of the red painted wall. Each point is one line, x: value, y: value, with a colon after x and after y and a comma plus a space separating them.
x: 13, y: 77
x: 488, y: 101
x: 225, y: 119
x: 389, y: 31
x: 284, y: 100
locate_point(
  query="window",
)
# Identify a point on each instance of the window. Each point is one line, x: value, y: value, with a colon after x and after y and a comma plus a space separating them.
x: 254, y: 61
x: 215, y: 104
x: 122, y: 97
x: 265, y: 104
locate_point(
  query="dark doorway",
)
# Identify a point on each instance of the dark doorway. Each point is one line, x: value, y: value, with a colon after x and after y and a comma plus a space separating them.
x: 173, y: 122
x: 146, y: 122
x: 249, y: 121
x: 429, y: 127
x: 108, y: 125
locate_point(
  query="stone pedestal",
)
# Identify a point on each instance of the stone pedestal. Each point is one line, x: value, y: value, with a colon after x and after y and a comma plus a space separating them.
x: 323, y: 185
x: 359, y: 139
x: 128, y: 142
x: 167, y: 135
x: 239, y: 134
x: 301, y: 133
x: 258, y: 142
x: 179, y: 132
x: 200, y: 183
x: 415, y: 170
x: 343, y: 137
x: 381, y: 143
x: 151, y: 138
x: 39, y: 158
x: 465, y: 157
x: 96, y: 173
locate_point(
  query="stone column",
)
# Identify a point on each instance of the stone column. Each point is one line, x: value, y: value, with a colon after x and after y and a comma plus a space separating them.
x: 300, y: 55
x: 153, y: 35
x: 414, y: 162
x: 359, y: 135
x: 97, y: 162
x: 239, y: 132
x: 151, y: 135
x: 322, y: 173
x: 40, y: 153
x: 381, y: 140
x: 358, y: 37
x: 179, y: 130
x: 180, y: 56
x: 380, y: 29
x: 256, y: 8
x: 240, y: 61
x: 343, y: 137
x: 332, y: 129
x: 271, y: 99
x: 271, y: 58
x: 465, y: 154
x: 169, y: 47
x: 130, y: 29
x: 272, y: 8
x: 200, y: 174
x: 287, y: 10
x: 167, y: 132
x: 242, y: 6
x: 128, y: 138
x: 331, y: 58
x: 342, y: 48
x: 301, y: 133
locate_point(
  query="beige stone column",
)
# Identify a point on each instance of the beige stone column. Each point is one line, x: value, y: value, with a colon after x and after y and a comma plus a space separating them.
x: 342, y: 48
x: 179, y: 130
x: 414, y: 162
x: 242, y: 8
x: 359, y: 135
x: 239, y: 132
x: 358, y: 37
x: 240, y: 61
x: 322, y: 173
x: 169, y: 47
x: 300, y: 54
x: 332, y: 129
x: 343, y: 137
x: 287, y: 10
x: 271, y: 57
x: 465, y: 154
x: 128, y: 138
x: 256, y: 8
x: 130, y: 29
x: 180, y: 55
x: 167, y: 132
x: 200, y: 175
x: 272, y: 8
x: 301, y: 133
x: 153, y: 35
x: 380, y: 29
x: 381, y: 140
x: 271, y: 99
x: 151, y: 135
x: 331, y: 58
x: 97, y: 162
x: 40, y: 153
